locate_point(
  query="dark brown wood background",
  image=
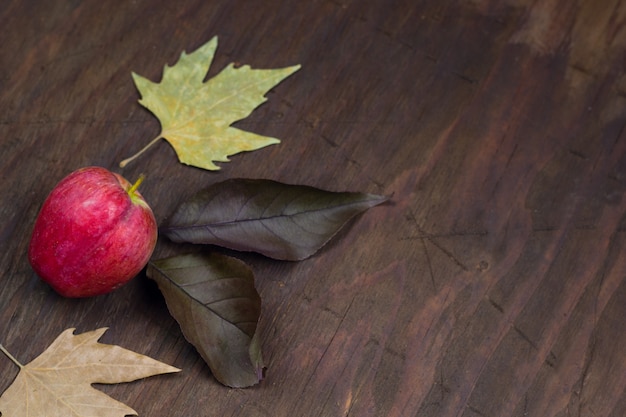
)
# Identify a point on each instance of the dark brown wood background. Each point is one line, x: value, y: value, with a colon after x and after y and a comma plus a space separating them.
x: 494, y: 282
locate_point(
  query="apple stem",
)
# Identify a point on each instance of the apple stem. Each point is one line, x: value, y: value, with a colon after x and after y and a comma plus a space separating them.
x: 136, y: 185
x: 152, y: 142
x: 8, y: 355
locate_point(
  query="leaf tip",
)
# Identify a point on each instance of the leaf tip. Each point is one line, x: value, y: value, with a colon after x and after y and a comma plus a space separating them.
x: 172, y: 370
x: 377, y: 199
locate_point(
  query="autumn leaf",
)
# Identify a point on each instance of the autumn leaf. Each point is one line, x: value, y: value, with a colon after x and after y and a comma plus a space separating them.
x: 196, y: 116
x: 213, y: 299
x: 58, y: 382
x: 281, y: 221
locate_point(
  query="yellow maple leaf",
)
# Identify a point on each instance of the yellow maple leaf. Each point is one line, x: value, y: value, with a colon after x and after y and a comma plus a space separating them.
x: 196, y: 116
x: 58, y: 382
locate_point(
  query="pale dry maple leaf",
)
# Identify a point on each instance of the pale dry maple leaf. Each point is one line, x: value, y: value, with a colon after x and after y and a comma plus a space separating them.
x: 58, y: 382
x: 195, y: 115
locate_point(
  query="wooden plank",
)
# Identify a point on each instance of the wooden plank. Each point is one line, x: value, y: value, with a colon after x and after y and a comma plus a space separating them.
x: 491, y: 285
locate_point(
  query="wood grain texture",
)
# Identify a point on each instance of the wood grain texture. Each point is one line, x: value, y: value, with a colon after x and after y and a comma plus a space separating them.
x: 493, y: 284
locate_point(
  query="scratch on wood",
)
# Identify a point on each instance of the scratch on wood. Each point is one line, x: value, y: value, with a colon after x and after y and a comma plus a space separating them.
x: 89, y: 120
x: 386, y: 32
x: 430, y: 237
x: 551, y: 360
x: 525, y: 337
x: 578, y: 154
x: 286, y: 102
x: 451, y: 234
x: 326, y: 349
x: 333, y: 312
x: 588, y: 361
x: 496, y: 186
x: 475, y: 410
x: 338, y: 4
x: 311, y: 124
x: 349, y: 159
x: 329, y: 141
x: 444, y: 389
x: 406, y: 45
x: 430, y: 266
x: 548, y: 229
x: 525, y: 404
x: 511, y: 155
x: 581, y: 69
x: 495, y: 305
x: 621, y: 129
x: 465, y: 78
x: 343, y: 317
x: 449, y: 255
x: 332, y: 389
x: 394, y: 353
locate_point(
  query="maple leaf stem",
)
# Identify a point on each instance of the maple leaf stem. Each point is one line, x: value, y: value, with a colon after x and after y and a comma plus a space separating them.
x: 8, y: 355
x: 145, y: 148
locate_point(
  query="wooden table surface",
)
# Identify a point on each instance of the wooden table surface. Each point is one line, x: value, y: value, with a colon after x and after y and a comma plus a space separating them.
x: 493, y: 284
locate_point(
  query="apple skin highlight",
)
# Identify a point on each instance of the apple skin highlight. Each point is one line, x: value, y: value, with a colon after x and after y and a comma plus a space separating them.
x: 94, y: 233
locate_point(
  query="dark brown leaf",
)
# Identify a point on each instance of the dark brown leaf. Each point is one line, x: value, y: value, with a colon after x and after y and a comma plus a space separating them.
x: 282, y: 221
x: 213, y: 299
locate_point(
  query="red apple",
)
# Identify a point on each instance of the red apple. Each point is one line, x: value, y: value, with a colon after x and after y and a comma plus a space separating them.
x: 93, y: 234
